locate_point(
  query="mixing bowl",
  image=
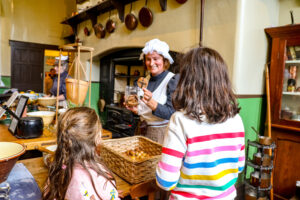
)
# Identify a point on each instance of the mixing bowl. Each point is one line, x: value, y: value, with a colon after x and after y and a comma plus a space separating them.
x: 46, y: 101
x: 9, y: 154
x: 47, y: 116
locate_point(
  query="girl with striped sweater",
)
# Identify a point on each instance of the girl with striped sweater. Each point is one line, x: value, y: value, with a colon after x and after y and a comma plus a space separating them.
x: 203, y: 150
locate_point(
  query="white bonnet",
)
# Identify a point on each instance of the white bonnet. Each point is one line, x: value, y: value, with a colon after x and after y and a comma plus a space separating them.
x: 160, y: 47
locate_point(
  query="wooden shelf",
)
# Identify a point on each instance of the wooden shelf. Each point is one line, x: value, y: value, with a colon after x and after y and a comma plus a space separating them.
x: 106, y: 6
x: 92, y: 12
x: 292, y: 61
x: 291, y: 93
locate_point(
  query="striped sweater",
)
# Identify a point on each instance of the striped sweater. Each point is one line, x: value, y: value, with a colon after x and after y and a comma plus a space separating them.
x: 201, y: 160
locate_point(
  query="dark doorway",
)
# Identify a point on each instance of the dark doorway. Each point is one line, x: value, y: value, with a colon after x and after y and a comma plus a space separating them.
x: 27, y: 65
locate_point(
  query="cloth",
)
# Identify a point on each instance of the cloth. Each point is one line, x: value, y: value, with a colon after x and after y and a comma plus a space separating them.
x: 23, y: 185
x: 155, y: 133
x: 62, y: 86
x: 160, y: 47
x: 201, y: 160
x: 81, y: 188
x: 165, y: 110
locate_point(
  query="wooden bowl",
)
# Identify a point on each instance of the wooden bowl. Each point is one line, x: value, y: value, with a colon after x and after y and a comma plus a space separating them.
x: 46, y: 101
x: 47, y: 116
x: 9, y: 154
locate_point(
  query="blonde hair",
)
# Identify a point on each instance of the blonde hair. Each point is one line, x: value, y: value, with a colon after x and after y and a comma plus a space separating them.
x: 78, y: 134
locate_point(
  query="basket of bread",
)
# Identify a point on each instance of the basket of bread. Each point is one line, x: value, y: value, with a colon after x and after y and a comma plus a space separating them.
x: 132, y: 158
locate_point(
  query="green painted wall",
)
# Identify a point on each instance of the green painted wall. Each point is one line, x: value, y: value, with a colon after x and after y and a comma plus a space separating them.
x: 253, y: 111
x: 6, y: 81
x: 94, y: 97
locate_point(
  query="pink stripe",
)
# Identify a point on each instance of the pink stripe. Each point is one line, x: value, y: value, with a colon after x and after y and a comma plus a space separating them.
x: 242, y: 158
x: 243, y: 147
x: 216, y: 136
x: 189, y: 195
x: 167, y: 167
x: 213, y: 150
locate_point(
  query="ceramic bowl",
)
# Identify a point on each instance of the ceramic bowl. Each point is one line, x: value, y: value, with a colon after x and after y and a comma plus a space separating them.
x: 47, y: 116
x: 62, y: 110
x: 9, y: 154
x: 46, y: 101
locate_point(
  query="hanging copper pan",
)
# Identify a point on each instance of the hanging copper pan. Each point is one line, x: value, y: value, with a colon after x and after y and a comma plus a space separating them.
x: 181, y: 1
x: 99, y: 30
x: 110, y: 25
x: 131, y: 21
x: 145, y: 16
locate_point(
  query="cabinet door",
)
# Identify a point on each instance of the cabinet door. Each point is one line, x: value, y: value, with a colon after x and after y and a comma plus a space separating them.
x: 290, y: 98
x: 285, y: 83
x: 106, y: 80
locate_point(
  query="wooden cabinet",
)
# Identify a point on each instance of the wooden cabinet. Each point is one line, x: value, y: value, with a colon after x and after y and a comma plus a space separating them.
x: 285, y: 106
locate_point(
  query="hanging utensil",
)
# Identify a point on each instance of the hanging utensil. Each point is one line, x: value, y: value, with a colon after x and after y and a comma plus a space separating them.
x: 145, y: 16
x: 181, y: 1
x: 110, y: 25
x: 99, y: 30
x: 131, y: 21
x: 86, y: 31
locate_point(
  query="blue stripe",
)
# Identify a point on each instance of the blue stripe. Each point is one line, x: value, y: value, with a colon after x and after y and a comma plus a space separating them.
x: 241, y: 169
x: 164, y: 183
x: 210, y: 164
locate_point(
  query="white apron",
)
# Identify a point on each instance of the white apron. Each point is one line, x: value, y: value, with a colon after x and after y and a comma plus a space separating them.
x: 156, y: 125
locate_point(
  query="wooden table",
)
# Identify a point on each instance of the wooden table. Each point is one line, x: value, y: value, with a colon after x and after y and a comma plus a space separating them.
x: 47, y: 138
x: 39, y: 171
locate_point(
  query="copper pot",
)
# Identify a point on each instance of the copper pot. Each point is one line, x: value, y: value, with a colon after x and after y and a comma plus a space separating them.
x: 99, y: 30
x: 251, y: 194
x: 181, y: 1
x: 145, y: 16
x: 265, y: 179
x: 110, y: 25
x: 265, y: 140
x: 131, y: 21
x: 263, y: 161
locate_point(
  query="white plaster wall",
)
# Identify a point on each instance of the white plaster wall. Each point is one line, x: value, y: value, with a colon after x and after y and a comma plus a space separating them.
x: 284, y: 11
x: 251, y: 44
x: 178, y: 26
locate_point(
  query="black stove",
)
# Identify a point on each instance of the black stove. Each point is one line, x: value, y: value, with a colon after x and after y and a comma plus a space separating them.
x: 120, y: 121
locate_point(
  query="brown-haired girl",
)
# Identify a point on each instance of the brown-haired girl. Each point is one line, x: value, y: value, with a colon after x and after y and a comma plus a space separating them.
x: 203, y: 150
x: 76, y: 172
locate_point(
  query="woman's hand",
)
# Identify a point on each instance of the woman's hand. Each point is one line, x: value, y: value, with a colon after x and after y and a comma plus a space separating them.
x: 147, y: 99
x: 133, y: 109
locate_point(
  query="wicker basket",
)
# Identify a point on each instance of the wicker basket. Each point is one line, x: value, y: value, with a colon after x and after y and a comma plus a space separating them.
x: 133, y: 171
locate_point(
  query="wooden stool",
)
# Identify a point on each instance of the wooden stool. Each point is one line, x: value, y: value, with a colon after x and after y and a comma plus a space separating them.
x: 144, y: 189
